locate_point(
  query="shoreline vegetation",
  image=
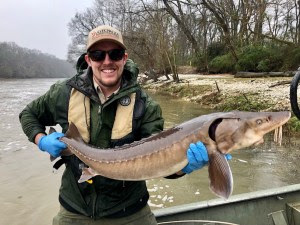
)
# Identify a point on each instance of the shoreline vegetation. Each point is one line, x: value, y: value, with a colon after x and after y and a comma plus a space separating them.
x: 225, y: 92
x: 21, y: 63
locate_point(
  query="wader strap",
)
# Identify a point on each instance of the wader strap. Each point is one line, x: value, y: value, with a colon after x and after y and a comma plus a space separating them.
x: 59, y: 163
x: 80, y: 113
x: 124, y: 115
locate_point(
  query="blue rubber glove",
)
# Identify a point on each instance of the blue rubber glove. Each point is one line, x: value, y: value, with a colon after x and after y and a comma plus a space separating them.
x: 197, y: 157
x: 51, y: 144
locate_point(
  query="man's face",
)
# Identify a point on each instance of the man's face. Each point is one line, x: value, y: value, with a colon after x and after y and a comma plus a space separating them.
x: 107, y: 73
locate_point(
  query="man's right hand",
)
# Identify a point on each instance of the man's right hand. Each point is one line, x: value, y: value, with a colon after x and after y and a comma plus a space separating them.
x: 51, y: 144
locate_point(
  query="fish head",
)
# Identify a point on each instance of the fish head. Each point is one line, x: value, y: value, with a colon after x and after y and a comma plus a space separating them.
x: 247, y: 128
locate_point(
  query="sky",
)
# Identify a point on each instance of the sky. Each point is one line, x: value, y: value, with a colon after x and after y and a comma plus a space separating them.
x: 39, y: 24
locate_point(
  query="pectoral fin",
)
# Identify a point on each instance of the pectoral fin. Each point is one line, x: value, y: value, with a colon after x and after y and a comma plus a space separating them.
x: 87, y: 174
x: 221, y: 182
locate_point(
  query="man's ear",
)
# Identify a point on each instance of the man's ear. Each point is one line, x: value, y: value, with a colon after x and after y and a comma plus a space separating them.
x: 87, y: 59
x: 125, y: 58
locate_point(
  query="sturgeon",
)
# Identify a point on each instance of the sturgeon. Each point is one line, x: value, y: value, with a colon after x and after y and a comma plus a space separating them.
x: 164, y: 154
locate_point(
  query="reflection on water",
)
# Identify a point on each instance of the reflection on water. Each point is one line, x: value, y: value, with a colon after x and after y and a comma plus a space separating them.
x: 29, y: 189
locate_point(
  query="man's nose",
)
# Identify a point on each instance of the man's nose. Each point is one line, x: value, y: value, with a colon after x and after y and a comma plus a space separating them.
x: 107, y: 60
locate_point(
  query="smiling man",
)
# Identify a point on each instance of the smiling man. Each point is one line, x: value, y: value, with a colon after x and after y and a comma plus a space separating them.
x: 109, y: 109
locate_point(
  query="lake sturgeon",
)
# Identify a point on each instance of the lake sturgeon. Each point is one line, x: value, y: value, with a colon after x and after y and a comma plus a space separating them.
x: 164, y: 154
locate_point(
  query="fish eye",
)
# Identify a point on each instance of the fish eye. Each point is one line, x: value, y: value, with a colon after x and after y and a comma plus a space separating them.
x: 259, y: 121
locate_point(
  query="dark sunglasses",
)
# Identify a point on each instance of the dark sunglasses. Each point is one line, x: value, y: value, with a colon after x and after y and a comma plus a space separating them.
x: 99, y: 55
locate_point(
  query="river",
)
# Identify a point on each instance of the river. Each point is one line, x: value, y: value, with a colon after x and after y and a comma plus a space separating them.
x: 29, y: 187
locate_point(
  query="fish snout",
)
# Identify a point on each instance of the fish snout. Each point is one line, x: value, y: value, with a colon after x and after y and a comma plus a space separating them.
x: 280, y: 118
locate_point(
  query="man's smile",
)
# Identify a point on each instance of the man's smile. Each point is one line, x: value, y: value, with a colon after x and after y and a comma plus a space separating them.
x: 108, y: 70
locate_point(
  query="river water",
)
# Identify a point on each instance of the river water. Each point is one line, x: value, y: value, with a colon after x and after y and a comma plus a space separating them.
x: 29, y: 187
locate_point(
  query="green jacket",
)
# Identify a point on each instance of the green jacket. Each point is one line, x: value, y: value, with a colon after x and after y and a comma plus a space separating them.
x: 104, y: 197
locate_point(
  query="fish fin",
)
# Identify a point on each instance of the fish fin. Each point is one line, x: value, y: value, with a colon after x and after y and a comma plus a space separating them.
x: 73, y: 133
x: 221, y: 181
x: 51, y: 130
x: 87, y: 174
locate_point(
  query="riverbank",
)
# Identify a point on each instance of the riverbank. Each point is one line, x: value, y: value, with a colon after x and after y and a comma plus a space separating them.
x: 224, y: 92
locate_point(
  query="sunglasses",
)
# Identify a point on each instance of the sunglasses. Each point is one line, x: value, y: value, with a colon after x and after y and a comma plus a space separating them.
x: 99, y: 55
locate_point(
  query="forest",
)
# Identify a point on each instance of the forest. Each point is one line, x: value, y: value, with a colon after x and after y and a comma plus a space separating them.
x: 216, y: 36
x: 19, y: 62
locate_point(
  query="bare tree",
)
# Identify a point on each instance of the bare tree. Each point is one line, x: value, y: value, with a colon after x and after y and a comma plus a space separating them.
x: 220, y: 16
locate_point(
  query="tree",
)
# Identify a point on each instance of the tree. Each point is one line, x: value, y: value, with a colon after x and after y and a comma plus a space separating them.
x: 18, y: 62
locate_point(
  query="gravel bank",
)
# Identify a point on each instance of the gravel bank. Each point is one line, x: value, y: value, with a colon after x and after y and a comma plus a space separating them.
x: 277, y: 95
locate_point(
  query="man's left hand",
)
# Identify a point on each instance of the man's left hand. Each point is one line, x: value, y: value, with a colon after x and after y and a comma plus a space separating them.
x: 197, y: 157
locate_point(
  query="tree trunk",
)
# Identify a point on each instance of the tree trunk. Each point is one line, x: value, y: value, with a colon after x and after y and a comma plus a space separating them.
x: 261, y: 8
x: 182, y: 25
x: 212, y: 8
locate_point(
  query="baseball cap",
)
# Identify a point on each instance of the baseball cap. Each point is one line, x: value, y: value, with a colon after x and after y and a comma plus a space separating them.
x: 104, y: 33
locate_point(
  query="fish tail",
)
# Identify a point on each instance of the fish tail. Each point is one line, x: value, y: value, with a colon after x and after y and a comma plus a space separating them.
x: 73, y: 133
x: 221, y: 181
x: 52, y: 130
x: 65, y: 152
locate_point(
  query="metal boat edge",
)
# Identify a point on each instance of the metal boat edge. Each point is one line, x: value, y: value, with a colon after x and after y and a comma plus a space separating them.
x: 276, y: 206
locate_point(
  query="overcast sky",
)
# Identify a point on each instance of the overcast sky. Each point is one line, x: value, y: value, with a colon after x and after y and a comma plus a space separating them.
x: 39, y: 24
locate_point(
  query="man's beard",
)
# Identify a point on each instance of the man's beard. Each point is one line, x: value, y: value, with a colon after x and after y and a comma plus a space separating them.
x: 110, y: 84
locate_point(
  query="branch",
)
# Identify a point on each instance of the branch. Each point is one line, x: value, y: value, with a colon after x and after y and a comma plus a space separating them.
x: 280, y: 83
x: 275, y: 39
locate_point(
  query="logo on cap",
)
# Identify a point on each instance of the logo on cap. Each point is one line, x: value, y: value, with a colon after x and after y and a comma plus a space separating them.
x: 98, y: 33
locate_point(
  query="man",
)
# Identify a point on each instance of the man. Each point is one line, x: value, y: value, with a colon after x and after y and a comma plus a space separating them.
x: 110, y: 109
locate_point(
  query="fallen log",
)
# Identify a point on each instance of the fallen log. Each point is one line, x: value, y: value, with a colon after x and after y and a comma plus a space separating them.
x: 264, y: 74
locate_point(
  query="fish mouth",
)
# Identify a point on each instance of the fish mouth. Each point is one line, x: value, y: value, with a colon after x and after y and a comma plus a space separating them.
x: 259, y: 142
